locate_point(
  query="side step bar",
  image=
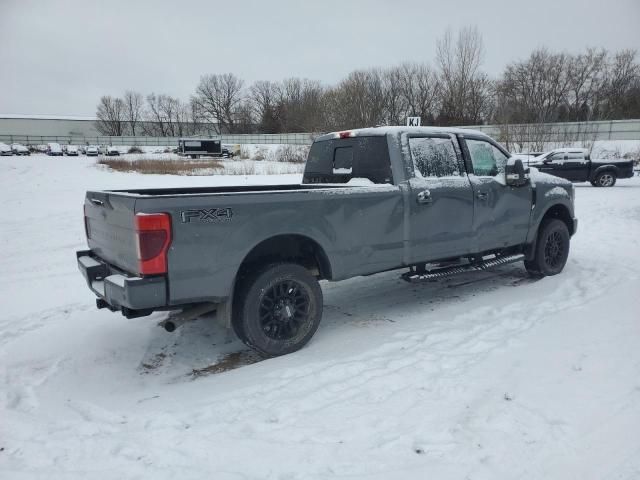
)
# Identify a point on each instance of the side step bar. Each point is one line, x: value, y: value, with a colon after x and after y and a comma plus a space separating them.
x: 416, y: 277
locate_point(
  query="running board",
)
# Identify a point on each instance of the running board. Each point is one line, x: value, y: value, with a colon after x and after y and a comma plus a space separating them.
x: 415, y: 277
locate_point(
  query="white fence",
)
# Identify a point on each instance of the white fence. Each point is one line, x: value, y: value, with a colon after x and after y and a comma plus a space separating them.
x: 564, y: 132
x: 548, y: 132
x: 284, y: 138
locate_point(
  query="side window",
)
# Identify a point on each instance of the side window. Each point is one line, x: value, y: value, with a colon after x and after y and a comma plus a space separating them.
x: 487, y: 160
x: 557, y: 156
x: 343, y: 160
x: 575, y: 156
x: 434, y: 157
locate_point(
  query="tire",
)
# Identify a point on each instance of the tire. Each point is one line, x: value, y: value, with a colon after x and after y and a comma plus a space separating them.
x: 605, y: 179
x: 552, y: 249
x: 277, y: 309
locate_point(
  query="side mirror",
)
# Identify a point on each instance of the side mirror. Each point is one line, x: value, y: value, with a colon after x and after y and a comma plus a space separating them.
x: 515, y: 173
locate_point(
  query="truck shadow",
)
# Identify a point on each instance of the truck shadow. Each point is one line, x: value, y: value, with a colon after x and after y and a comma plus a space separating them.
x: 205, y: 347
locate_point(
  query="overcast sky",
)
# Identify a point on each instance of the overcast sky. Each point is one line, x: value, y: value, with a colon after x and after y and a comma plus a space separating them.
x: 59, y: 57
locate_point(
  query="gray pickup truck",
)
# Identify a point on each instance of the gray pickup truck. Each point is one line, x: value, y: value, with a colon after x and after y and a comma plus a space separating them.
x: 435, y: 201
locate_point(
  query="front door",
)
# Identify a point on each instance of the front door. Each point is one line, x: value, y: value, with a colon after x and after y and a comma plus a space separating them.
x: 501, y: 212
x: 556, y: 164
x: 441, y: 200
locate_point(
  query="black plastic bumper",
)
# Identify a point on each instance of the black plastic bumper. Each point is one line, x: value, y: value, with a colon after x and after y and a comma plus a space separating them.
x: 133, y: 296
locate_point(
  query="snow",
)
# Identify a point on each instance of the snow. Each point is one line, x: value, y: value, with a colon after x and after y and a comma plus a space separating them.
x: 485, y: 376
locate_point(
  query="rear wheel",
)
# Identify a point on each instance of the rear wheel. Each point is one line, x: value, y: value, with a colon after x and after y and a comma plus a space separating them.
x: 277, y: 309
x: 552, y: 249
x: 605, y: 179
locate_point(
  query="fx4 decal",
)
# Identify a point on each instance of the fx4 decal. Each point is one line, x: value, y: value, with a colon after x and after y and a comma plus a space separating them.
x: 206, y: 215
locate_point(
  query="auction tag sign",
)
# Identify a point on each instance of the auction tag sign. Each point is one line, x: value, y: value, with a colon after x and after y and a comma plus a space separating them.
x: 413, y: 121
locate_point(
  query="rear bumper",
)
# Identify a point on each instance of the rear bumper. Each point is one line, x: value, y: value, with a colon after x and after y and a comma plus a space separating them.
x: 133, y: 296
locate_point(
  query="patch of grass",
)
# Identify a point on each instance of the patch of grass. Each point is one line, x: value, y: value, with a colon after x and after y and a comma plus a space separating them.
x: 164, y: 166
x: 230, y: 361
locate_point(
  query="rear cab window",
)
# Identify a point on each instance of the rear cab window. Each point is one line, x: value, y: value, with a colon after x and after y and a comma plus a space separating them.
x: 341, y: 159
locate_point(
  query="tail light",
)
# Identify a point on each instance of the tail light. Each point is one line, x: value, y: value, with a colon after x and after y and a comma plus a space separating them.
x: 153, y: 237
x: 86, y: 222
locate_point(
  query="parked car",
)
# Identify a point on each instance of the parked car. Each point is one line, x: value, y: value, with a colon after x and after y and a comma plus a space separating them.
x: 435, y: 201
x: 92, y: 151
x: 19, y: 149
x: 112, y: 151
x: 54, y: 149
x: 5, y: 149
x: 576, y: 165
x: 72, y: 150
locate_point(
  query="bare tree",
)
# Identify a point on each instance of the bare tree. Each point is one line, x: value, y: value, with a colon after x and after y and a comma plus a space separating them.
x: 622, y: 88
x: 298, y: 104
x: 586, y: 76
x: 110, y: 114
x: 461, y: 79
x: 534, y: 91
x: 219, y: 97
x: 395, y: 102
x: 133, y: 106
x: 421, y: 91
x: 358, y: 101
x: 263, y: 99
x: 168, y: 116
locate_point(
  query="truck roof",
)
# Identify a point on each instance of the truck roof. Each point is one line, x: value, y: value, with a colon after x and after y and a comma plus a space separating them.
x: 381, y: 131
x: 569, y: 149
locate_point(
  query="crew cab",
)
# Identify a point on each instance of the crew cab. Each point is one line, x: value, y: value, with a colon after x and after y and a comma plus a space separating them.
x: 434, y: 201
x: 576, y: 165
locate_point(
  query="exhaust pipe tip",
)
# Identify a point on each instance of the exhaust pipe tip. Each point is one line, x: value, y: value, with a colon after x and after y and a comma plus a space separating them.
x: 169, y: 326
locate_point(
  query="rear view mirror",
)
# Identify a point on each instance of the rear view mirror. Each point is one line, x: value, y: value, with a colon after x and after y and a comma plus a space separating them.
x: 515, y: 172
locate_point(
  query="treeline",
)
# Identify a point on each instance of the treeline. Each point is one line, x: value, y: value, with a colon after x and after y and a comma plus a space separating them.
x: 454, y: 90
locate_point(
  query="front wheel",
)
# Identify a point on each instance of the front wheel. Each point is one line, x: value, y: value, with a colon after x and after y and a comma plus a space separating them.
x: 552, y: 249
x: 605, y: 179
x: 277, y: 309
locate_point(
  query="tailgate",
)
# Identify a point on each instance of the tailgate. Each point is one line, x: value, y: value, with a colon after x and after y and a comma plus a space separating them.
x: 110, y: 221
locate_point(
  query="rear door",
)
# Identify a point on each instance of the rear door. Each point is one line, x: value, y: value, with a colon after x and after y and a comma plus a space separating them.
x: 441, y: 218
x: 501, y: 212
x: 576, y: 166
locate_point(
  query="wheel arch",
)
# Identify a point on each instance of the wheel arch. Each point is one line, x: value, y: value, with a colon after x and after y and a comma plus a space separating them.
x: 561, y: 212
x: 296, y: 248
x: 558, y: 211
x: 609, y: 167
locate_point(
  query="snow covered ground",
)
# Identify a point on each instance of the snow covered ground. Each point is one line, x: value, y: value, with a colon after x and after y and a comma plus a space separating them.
x: 480, y: 376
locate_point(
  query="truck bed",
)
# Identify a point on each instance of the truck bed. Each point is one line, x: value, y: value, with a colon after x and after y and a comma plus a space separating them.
x: 161, y: 192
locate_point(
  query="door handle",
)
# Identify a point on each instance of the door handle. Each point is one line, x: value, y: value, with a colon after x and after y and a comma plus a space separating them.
x: 482, y: 195
x: 424, y: 197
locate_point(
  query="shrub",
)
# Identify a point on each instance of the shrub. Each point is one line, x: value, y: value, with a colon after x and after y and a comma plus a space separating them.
x: 292, y: 153
x: 163, y: 166
x: 245, y: 152
x: 260, y: 154
x: 135, y: 149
